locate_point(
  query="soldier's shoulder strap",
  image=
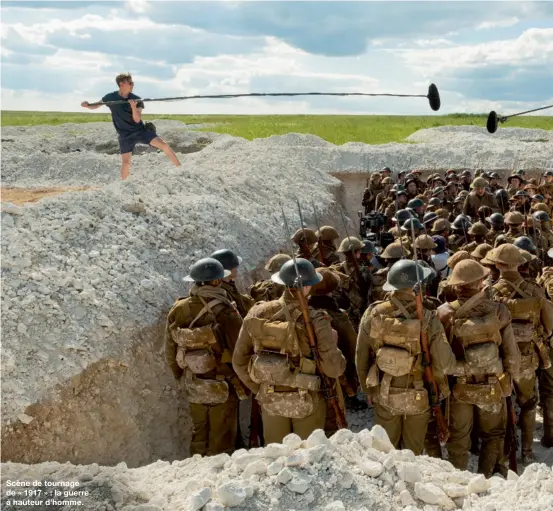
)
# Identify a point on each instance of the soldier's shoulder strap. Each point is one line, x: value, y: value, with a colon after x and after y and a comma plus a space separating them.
x: 467, y: 306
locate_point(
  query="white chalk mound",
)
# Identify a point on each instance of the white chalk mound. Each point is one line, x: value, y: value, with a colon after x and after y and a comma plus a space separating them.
x: 335, y: 474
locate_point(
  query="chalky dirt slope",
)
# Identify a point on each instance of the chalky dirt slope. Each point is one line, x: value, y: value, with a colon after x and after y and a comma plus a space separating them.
x: 88, y: 276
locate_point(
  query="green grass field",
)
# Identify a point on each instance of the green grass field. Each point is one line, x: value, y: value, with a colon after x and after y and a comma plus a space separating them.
x: 338, y: 129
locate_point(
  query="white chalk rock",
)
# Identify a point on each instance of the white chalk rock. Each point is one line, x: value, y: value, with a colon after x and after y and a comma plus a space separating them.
x: 275, y: 467
x: 408, y: 472
x: 371, y: 468
x: 381, y: 441
x: 547, y: 485
x: 511, y: 476
x: 388, y: 461
x: 292, y: 441
x: 406, y: 498
x: 342, y: 436
x: 430, y: 493
x: 315, y: 454
x: 257, y: 467
x: 318, y: 437
x: 276, y: 451
x: 245, y: 459
x: 231, y: 494
x: 199, y: 499
x: 400, y: 486
x: 345, y: 480
x: 479, y: 484
x: 299, y: 484
x: 308, y: 497
x: 365, y: 438
x: 403, y: 455
x: 296, y: 460
x: 284, y: 475
x: 455, y: 490
x: 218, y: 461
x: 214, y: 506
x: 336, y: 505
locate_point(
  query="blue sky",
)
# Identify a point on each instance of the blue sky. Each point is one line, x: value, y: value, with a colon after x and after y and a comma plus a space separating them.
x: 481, y: 55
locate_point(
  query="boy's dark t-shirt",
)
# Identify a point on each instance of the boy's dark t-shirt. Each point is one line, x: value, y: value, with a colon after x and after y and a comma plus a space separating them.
x: 121, y: 114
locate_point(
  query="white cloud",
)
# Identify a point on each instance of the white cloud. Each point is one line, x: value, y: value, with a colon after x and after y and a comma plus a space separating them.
x: 506, y: 22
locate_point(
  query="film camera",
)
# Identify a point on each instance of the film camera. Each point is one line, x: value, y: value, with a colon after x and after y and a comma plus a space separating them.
x: 370, y: 227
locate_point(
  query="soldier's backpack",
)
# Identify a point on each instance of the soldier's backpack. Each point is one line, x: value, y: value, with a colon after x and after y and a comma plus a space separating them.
x: 284, y: 374
x: 396, y: 341
x: 197, y: 352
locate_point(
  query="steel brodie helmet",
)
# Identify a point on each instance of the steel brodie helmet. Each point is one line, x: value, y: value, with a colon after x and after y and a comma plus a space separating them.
x: 227, y: 258
x: 206, y: 270
x: 288, y: 276
x: 405, y: 274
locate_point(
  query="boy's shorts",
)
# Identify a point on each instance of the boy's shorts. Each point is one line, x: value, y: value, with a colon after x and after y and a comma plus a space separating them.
x: 144, y: 136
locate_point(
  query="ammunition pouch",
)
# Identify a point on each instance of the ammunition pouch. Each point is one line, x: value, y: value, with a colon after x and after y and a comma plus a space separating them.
x: 293, y: 404
x: 404, y: 401
x: 480, y: 394
x: 205, y: 391
x: 524, y: 309
x: 195, y: 348
x: 524, y: 331
x: 273, y: 369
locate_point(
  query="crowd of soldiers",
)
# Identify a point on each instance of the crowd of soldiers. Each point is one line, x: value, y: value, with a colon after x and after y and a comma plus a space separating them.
x: 442, y: 310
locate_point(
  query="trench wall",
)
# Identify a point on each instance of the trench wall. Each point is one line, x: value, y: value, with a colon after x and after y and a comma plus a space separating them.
x: 130, y: 410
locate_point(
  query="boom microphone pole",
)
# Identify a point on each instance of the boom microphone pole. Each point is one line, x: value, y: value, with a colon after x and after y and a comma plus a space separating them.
x: 494, y: 119
x: 433, y: 96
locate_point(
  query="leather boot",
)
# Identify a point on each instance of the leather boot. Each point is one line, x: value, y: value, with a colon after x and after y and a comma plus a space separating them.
x: 527, y: 420
x: 491, y: 452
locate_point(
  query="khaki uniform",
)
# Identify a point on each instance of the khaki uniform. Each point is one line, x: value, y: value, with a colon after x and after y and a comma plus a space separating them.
x: 379, y: 279
x: 473, y: 202
x: 243, y: 302
x: 213, y: 395
x: 352, y: 295
x: 369, y: 196
x: 347, y: 341
x: 329, y: 250
x: 266, y: 290
x: 510, y: 236
x: 388, y: 343
x: 455, y: 241
x: 381, y: 202
x: 267, y: 353
x: 482, y: 380
x: 492, y: 236
x: 532, y: 320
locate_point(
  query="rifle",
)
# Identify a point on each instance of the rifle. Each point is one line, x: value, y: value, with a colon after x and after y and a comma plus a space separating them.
x: 326, y: 389
x: 354, y: 259
x: 433, y: 391
x: 511, y: 439
x: 308, y: 253
x: 320, y: 240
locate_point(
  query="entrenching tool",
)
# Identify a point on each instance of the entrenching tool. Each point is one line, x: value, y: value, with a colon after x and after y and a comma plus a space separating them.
x: 433, y: 96
x: 494, y: 119
x: 329, y: 395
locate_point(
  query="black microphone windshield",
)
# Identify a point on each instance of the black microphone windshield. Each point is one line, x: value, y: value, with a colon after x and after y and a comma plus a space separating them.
x: 434, y: 97
x: 492, y: 122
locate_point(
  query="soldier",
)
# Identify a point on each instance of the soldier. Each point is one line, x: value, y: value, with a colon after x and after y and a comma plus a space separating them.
x: 542, y: 222
x: 546, y: 189
x: 535, y: 266
x: 532, y: 322
x: 321, y: 299
x: 445, y: 291
x: 327, y: 234
x: 502, y: 197
x: 370, y: 193
x: 399, y: 219
x: 494, y: 182
x: 480, y: 251
x: 487, y: 356
x: 200, y: 334
x: 478, y: 232
x: 441, y: 227
x: 384, y: 194
x: 515, y: 184
x: 497, y: 223
x: 514, y: 221
x: 413, y: 224
x: 479, y: 197
x: 401, y: 196
x: 392, y: 254
x: 388, y: 358
x: 417, y: 205
x: 424, y: 244
x: 267, y: 290
x: 460, y: 228
x: 440, y: 256
x: 305, y: 239
x: 231, y: 261
x: 274, y: 358
x: 355, y: 285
